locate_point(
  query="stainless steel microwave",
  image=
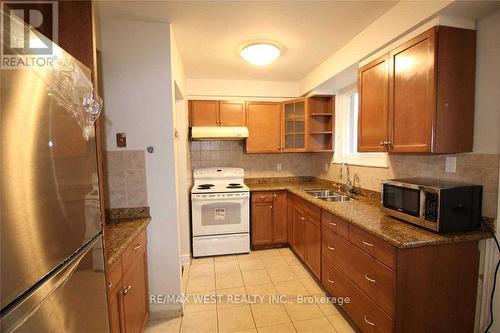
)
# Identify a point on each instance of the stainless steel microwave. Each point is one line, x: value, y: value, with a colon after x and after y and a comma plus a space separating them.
x: 438, y: 205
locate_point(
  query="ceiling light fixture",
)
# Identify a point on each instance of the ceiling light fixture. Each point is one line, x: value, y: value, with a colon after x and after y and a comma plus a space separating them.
x: 260, y: 54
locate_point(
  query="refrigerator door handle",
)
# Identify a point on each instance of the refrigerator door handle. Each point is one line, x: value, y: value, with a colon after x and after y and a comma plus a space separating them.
x: 27, y: 307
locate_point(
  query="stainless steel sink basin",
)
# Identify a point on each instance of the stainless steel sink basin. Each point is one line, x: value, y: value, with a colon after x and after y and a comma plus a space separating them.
x: 327, y: 195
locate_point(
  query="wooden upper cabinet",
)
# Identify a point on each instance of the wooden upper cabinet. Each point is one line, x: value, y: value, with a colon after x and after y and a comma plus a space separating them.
x: 412, y: 94
x: 373, y: 110
x: 430, y: 99
x: 264, y: 127
x: 204, y: 113
x: 232, y: 113
x: 295, y: 121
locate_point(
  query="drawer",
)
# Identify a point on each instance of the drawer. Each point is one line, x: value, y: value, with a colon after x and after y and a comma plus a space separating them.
x: 136, y: 248
x: 376, y: 247
x: 262, y: 197
x: 114, y: 274
x: 375, y: 279
x: 327, y: 275
x: 361, y: 309
x: 336, y: 224
x: 312, y: 212
x: 329, y: 241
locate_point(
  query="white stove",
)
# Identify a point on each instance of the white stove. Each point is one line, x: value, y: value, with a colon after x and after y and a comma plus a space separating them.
x: 220, y: 203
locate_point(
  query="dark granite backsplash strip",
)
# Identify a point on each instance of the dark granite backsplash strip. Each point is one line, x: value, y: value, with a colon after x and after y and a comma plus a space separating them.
x: 127, y: 213
x: 279, y: 180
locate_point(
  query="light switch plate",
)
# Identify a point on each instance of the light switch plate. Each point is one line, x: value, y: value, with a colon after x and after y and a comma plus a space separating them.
x: 451, y: 164
x: 278, y: 166
x: 326, y: 166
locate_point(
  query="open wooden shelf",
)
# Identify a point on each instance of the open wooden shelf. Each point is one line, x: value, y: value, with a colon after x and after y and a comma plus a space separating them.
x: 322, y: 132
x: 321, y: 123
x: 321, y: 114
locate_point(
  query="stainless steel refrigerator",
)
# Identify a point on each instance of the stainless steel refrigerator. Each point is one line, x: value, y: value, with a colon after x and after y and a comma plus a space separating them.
x: 52, y: 264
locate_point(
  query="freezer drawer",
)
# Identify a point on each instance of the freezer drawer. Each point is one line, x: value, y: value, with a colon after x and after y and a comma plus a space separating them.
x: 73, y: 299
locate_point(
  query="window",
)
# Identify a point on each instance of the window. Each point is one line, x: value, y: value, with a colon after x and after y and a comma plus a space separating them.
x: 346, y: 129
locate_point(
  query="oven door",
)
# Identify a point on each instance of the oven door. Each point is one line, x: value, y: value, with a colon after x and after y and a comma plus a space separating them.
x: 220, y: 213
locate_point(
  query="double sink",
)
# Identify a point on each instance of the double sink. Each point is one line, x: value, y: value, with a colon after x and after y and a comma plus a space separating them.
x: 327, y: 195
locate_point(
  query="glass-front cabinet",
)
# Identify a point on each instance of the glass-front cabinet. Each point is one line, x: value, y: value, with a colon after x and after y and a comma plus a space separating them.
x: 294, y: 134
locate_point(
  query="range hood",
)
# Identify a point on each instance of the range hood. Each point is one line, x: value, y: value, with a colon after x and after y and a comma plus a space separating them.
x: 219, y: 133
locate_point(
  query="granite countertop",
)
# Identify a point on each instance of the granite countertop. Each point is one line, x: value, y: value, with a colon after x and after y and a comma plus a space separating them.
x: 118, y: 234
x: 365, y: 213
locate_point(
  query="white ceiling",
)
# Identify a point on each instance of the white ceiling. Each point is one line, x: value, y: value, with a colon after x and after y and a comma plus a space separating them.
x: 210, y: 34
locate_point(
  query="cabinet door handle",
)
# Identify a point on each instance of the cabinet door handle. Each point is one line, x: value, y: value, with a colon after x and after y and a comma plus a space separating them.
x: 331, y: 248
x: 368, y: 244
x: 126, y: 290
x: 333, y: 224
x: 330, y: 280
x: 302, y: 218
x: 369, y: 278
x: 110, y: 284
x: 137, y: 247
x: 382, y: 143
x: 271, y: 206
x: 369, y: 322
x: 275, y: 195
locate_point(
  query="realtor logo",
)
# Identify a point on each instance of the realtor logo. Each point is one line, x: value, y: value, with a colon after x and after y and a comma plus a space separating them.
x: 22, y: 46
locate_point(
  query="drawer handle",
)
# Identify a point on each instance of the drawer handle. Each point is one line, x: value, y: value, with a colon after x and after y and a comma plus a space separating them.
x: 368, y: 244
x: 110, y: 284
x: 333, y: 224
x: 331, y: 248
x: 262, y: 197
x: 331, y: 281
x: 369, y: 322
x: 137, y: 247
x: 369, y: 278
x: 126, y: 290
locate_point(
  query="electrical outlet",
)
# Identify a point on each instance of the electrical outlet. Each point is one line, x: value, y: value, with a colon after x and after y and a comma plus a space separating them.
x: 326, y: 166
x: 278, y: 167
x: 451, y: 164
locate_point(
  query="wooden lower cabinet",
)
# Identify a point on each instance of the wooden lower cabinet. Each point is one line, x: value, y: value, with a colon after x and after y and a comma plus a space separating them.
x: 298, y: 232
x: 313, y: 246
x: 269, y: 219
x: 128, y: 301
x: 306, y: 234
x: 424, y: 289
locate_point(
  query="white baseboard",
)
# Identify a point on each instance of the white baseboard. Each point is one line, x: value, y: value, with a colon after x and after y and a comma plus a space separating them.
x: 185, y: 259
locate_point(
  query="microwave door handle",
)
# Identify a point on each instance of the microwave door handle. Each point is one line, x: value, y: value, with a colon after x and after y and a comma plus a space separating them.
x: 422, y: 205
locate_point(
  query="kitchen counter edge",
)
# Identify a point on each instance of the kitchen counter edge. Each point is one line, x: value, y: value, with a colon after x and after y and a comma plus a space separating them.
x: 366, y: 214
x: 119, y: 234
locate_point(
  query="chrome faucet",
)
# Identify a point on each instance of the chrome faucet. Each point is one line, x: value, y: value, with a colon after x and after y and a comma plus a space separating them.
x: 348, y: 183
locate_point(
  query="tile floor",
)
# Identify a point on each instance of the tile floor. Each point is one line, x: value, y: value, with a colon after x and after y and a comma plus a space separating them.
x: 267, y: 273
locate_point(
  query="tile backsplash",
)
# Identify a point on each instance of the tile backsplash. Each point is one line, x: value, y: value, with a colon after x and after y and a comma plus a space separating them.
x: 479, y: 169
x: 474, y: 168
x: 125, y: 179
x: 217, y: 153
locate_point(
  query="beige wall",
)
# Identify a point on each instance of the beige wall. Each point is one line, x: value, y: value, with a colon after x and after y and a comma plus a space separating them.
x: 230, y: 154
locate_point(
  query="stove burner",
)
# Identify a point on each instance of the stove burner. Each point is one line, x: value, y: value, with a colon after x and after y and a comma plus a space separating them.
x: 205, y: 186
x: 234, y: 186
